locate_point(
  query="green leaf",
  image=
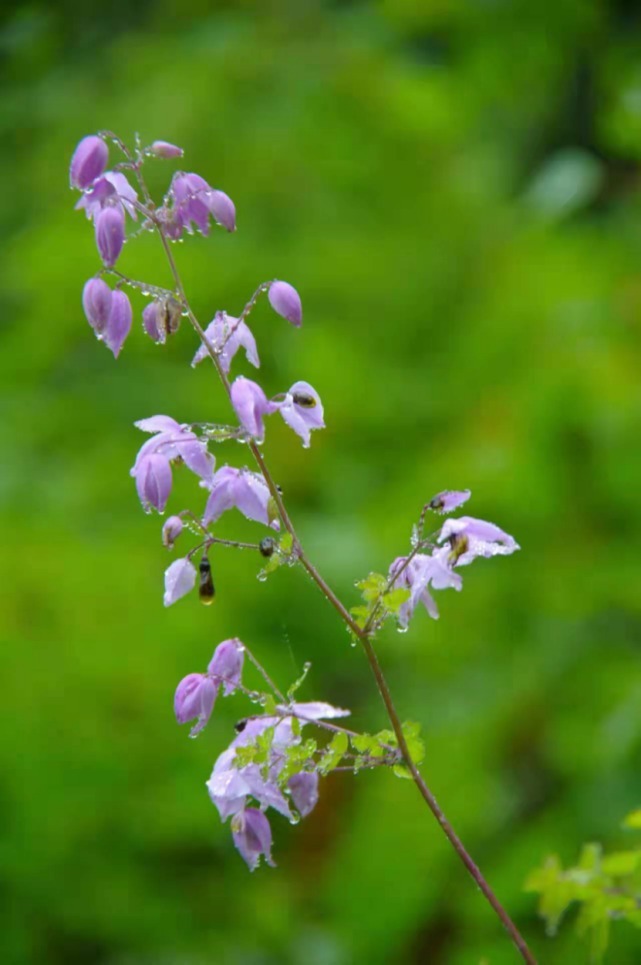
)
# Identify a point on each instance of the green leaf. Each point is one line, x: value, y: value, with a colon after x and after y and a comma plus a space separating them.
x: 297, y: 683
x: 395, y: 599
x: 333, y: 753
x: 372, y: 587
x: 269, y: 705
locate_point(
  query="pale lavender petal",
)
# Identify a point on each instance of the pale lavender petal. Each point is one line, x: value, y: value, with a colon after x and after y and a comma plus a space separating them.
x: 251, y: 405
x: 303, y: 788
x: 449, y: 500
x: 253, y: 837
x: 227, y: 664
x: 110, y: 234
x: 88, y: 162
x: 171, y: 530
x: 252, y: 497
x: 285, y: 300
x: 153, y: 482
x: 166, y: 150
x: 221, y: 495
x: 195, y: 697
x: 119, y: 323
x: 180, y: 578
x: 194, y: 454
x: 222, y: 208
x: 96, y: 301
x: 471, y: 538
x: 158, y: 423
x: 316, y: 710
x: 267, y: 793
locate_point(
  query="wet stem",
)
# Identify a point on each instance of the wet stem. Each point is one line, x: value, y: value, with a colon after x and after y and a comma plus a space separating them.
x: 363, y: 634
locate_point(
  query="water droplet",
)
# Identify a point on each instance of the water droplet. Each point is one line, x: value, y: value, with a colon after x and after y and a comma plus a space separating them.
x: 295, y: 818
x: 400, y: 629
x: 262, y: 576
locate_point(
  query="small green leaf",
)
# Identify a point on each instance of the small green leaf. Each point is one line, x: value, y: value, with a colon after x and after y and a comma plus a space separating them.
x: 395, y: 599
x: 621, y: 863
x: 333, y: 753
x: 372, y: 587
x: 269, y: 705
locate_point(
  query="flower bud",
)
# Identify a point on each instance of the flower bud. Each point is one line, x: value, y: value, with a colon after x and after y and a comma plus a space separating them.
x: 119, y: 324
x: 165, y: 149
x: 171, y: 530
x: 110, y: 233
x: 222, y: 208
x: 88, y: 162
x: 96, y: 301
x: 251, y: 405
x: 227, y: 664
x: 206, y: 589
x: 285, y: 301
x: 252, y: 836
x: 449, y: 500
x: 195, y: 697
x: 180, y: 577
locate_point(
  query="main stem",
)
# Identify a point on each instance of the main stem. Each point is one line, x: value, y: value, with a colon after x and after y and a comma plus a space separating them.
x: 363, y: 635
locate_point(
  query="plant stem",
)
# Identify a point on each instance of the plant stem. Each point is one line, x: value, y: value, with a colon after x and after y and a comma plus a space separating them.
x: 363, y: 635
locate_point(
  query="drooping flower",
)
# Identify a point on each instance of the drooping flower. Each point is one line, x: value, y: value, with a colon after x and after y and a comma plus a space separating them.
x: 253, y: 837
x: 88, y: 162
x: 96, y: 301
x: 449, y: 500
x: 110, y: 233
x: 226, y: 665
x: 195, y: 697
x: 195, y: 201
x: 119, y: 323
x: 227, y: 335
x: 170, y: 441
x: 171, y: 530
x: 165, y: 150
x: 302, y: 410
x: 469, y: 537
x: 286, y: 302
x: 303, y: 788
x: 417, y: 575
x: 243, y: 490
x: 180, y: 579
x: 251, y: 406
x: 111, y: 190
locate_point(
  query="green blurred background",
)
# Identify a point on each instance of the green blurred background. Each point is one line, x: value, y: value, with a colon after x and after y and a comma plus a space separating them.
x: 453, y: 187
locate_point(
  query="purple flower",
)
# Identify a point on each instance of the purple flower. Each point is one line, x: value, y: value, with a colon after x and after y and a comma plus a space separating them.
x: 161, y: 318
x: 195, y: 697
x: 96, y: 301
x: 194, y: 201
x: 171, y: 441
x: 227, y: 663
x: 421, y: 572
x: 243, y: 490
x: 251, y: 405
x: 119, y: 323
x: 171, y: 530
x: 285, y: 300
x: 227, y: 335
x: 180, y: 578
x: 222, y: 208
x: 469, y: 537
x: 303, y: 788
x: 88, y: 162
x: 110, y: 234
x: 111, y: 190
x: 253, y: 837
x: 165, y: 149
x: 153, y: 482
x: 302, y: 410
x: 449, y: 500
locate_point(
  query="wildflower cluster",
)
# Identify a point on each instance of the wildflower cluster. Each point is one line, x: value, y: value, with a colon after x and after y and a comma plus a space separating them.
x: 268, y: 764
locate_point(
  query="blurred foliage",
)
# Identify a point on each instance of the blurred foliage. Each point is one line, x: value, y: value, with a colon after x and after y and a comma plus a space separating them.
x: 453, y: 187
x: 608, y: 887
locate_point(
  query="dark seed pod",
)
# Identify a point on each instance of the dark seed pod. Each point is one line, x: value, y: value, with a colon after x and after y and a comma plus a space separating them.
x: 266, y: 546
x: 206, y: 590
x: 240, y: 726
